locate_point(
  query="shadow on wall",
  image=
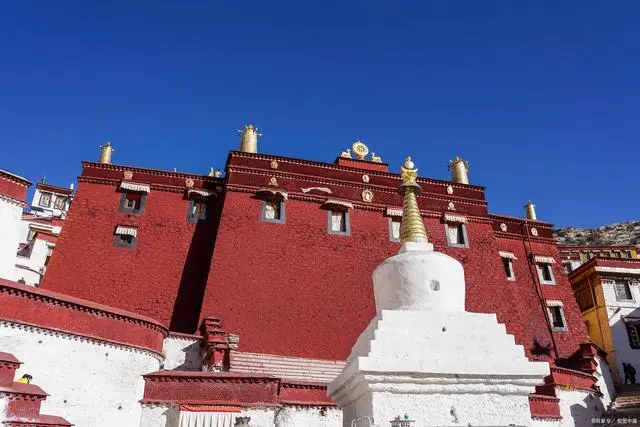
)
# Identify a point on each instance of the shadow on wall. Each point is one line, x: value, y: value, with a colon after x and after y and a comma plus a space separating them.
x: 584, y: 413
x: 622, y: 335
x: 541, y: 351
x: 188, y: 303
x: 192, y: 360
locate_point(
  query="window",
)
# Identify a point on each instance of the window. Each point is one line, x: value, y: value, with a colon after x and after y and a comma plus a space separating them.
x: 45, y: 200
x: 633, y: 331
x: 198, y: 210
x: 628, y: 253
x: 394, y: 229
x: 60, y: 202
x: 273, y: 211
x: 125, y: 237
x: 456, y: 234
x: 556, y: 316
x: 339, y: 222
x: 623, y: 291
x: 508, y: 268
x: 133, y: 202
x: 545, y: 273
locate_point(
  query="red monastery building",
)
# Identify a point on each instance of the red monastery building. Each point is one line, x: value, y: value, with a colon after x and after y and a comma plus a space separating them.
x: 282, y: 251
x: 190, y: 299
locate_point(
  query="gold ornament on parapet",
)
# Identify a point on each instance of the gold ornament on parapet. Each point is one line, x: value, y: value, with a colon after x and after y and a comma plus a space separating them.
x: 128, y: 175
x: 274, y: 165
x: 189, y: 183
x: 451, y: 206
x: 346, y: 154
x: 218, y: 173
x: 273, y: 181
x: 375, y: 159
x: 359, y: 149
x: 503, y: 227
x: 365, y: 178
x: 449, y: 189
x: 534, y: 231
x: 367, y: 195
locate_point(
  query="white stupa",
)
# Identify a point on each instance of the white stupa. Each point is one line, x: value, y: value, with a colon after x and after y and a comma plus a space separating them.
x: 423, y: 355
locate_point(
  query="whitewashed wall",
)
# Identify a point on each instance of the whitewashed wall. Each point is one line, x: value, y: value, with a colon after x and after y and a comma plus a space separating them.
x: 605, y: 381
x: 545, y: 423
x: 31, y: 268
x: 91, y: 384
x: 182, y: 353
x: 578, y: 408
x: 10, y: 217
x: 3, y: 408
x: 287, y: 416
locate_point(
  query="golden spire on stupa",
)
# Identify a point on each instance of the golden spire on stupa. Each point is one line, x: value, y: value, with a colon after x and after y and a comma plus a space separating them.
x: 412, y: 227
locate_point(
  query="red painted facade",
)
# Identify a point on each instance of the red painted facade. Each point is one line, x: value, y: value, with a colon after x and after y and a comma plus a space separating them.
x: 293, y: 288
x: 13, y: 186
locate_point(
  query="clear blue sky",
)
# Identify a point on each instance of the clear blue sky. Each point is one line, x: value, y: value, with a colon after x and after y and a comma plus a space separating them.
x: 541, y: 97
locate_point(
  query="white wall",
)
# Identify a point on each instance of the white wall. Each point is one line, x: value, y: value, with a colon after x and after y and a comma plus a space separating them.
x: 10, y: 218
x: 578, y: 408
x: 545, y: 423
x: 182, y: 353
x: 3, y: 408
x: 286, y: 416
x: 51, y: 209
x: 605, y: 381
x: 91, y: 384
x: 31, y: 267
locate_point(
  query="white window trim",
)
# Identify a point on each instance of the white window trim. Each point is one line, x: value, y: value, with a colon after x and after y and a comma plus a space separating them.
x: 464, y: 234
x: 512, y: 276
x: 559, y: 304
x: 541, y: 277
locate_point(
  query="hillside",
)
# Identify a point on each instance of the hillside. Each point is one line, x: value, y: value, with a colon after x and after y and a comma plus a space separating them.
x: 623, y: 233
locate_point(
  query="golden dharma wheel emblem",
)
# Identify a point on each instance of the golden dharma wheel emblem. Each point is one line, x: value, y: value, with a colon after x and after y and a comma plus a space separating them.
x: 534, y: 231
x: 189, y: 183
x: 365, y: 178
x: 503, y: 227
x: 128, y: 174
x: 367, y: 195
x: 274, y: 165
x: 359, y: 149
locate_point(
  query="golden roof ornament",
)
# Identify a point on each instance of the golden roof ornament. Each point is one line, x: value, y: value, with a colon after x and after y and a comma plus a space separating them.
x: 249, y: 139
x: 218, y: 173
x: 106, y: 151
x: 346, y: 154
x: 530, y: 210
x: 375, y: 159
x: 359, y: 149
x: 459, y: 170
x: 412, y: 226
x: 211, y: 172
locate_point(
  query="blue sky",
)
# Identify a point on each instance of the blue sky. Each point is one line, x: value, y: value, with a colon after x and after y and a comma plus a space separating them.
x: 541, y: 97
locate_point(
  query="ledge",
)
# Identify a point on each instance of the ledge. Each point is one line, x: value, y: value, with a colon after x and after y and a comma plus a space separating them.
x: 37, y: 307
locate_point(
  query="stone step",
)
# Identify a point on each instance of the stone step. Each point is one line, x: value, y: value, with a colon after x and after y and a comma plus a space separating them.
x: 39, y: 421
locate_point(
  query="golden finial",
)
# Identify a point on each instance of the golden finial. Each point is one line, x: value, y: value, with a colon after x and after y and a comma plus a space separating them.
x: 346, y: 154
x: 211, y: 172
x: 218, y: 173
x: 249, y: 139
x: 459, y: 170
x: 530, y: 210
x: 412, y: 226
x: 106, y: 151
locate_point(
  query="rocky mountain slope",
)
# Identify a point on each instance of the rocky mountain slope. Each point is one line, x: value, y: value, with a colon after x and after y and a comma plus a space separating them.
x: 622, y: 233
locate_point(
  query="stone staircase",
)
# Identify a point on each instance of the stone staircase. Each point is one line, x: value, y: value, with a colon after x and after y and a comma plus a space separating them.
x: 20, y: 403
x: 626, y: 406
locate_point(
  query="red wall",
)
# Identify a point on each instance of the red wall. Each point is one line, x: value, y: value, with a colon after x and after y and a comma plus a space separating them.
x: 163, y: 275
x: 294, y: 289
x: 8, y: 187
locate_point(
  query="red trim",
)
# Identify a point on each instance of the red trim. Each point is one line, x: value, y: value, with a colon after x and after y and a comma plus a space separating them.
x: 49, y: 310
x: 54, y: 188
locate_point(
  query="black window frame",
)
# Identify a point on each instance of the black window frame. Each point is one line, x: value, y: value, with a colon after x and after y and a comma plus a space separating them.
x: 191, y: 217
x: 263, y: 211
x: 120, y: 241
x: 143, y: 202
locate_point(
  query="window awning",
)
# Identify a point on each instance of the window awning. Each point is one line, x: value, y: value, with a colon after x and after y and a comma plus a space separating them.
x: 273, y: 192
x: 455, y: 218
x: 544, y: 259
x: 509, y: 255
x: 201, y: 193
x: 132, y: 186
x: 334, y: 202
x: 394, y: 212
x: 207, y: 415
x: 126, y: 231
x: 554, y: 303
